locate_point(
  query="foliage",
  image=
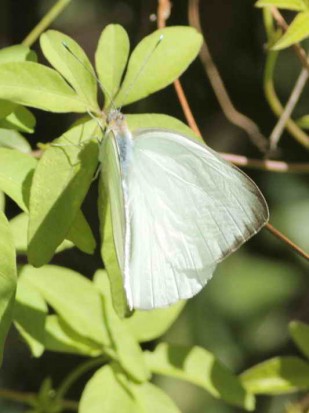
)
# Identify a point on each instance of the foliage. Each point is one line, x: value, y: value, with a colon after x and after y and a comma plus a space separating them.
x: 90, y: 317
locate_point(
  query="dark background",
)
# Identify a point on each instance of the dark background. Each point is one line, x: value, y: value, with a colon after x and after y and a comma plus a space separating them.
x: 243, y: 315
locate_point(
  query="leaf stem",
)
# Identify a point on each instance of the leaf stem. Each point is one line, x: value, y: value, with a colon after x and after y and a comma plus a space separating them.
x: 77, y: 373
x: 45, y: 22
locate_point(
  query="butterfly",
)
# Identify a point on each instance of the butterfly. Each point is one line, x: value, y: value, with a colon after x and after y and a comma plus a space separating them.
x: 178, y: 209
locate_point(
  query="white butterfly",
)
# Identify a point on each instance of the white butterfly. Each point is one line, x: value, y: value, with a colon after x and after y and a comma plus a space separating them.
x: 178, y: 209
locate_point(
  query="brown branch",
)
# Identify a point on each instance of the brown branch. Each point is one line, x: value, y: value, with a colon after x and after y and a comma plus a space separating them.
x: 283, y: 238
x: 266, y: 165
x: 299, y: 51
x: 163, y: 7
x: 232, y: 114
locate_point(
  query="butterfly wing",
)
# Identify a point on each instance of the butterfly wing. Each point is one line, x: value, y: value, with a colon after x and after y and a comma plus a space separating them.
x: 188, y: 210
x: 111, y: 170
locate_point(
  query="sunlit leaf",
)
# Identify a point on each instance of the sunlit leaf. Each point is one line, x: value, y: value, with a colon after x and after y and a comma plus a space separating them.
x: 104, y: 393
x: 111, y: 58
x: 61, y: 338
x: 157, y: 61
x: 297, y: 31
x: 200, y: 367
x: 19, y: 229
x: 21, y: 119
x: 7, y: 280
x: 81, y: 234
x: 16, y: 53
x: 73, y: 297
x: 129, y: 353
x: 277, y: 376
x: 16, y: 171
x: 30, y: 313
x: 158, y: 120
x: 13, y: 140
x: 35, y: 85
x: 149, y: 325
x: 60, y: 184
x: 6, y: 108
x: 109, y: 391
x: 73, y: 64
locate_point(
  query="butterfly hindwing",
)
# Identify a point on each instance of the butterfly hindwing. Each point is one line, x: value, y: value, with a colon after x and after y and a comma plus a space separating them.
x: 188, y: 210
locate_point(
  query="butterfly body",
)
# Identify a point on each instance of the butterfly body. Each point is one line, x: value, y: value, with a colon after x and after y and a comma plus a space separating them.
x: 178, y: 209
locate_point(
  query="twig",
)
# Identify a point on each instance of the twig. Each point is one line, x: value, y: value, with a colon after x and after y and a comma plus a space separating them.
x: 232, y: 114
x: 300, y: 52
x: 186, y: 107
x: 46, y: 21
x: 28, y: 398
x: 266, y: 165
x: 283, y: 238
x: 274, y: 102
x: 268, y: 226
x: 163, y: 13
x: 289, y: 107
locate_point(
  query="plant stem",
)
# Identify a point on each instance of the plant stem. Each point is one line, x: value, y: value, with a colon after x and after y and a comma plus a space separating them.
x: 77, y: 373
x: 274, y: 102
x: 289, y: 107
x: 266, y: 165
x: 45, y: 22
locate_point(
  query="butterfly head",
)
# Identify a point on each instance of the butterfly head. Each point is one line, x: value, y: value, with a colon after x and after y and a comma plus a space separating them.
x: 116, y: 122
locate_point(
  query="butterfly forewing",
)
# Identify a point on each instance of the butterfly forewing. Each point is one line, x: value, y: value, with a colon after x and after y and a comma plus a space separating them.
x: 111, y: 169
x: 188, y: 210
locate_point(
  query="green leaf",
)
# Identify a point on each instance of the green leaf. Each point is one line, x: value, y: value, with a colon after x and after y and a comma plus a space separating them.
x: 2, y: 201
x: 13, y: 140
x: 105, y: 393
x: 19, y: 229
x: 108, y: 253
x: 152, y: 399
x: 60, y: 337
x: 35, y: 85
x: 73, y: 64
x: 200, y: 367
x: 297, y: 31
x: 30, y: 313
x: 129, y: 353
x: 167, y: 60
x: 7, y: 280
x: 109, y: 391
x: 149, y: 325
x: 74, y: 298
x: 300, y: 335
x: 21, y: 120
x: 6, y: 108
x: 16, y: 53
x: 297, y: 5
x: 156, y: 120
x: 303, y: 122
x: 16, y: 171
x: 111, y: 59
x: 60, y: 184
x: 279, y: 375
x: 81, y: 235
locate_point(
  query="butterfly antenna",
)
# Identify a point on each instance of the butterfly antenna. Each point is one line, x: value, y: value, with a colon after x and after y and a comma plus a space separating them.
x: 130, y: 87
x: 104, y: 90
